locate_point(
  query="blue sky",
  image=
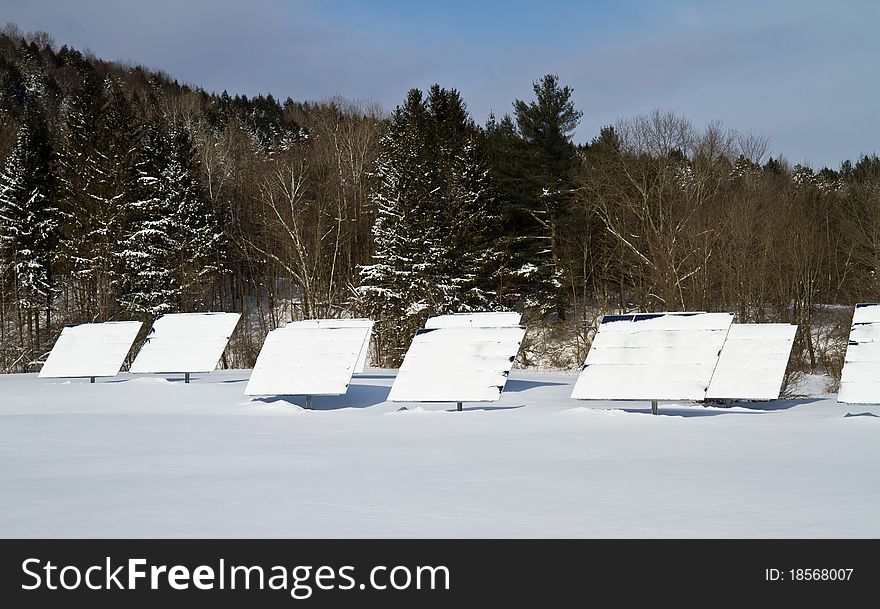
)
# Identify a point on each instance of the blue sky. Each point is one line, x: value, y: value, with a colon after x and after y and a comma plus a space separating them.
x: 802, y: 72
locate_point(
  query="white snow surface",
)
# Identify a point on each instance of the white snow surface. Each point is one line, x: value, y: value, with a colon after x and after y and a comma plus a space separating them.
x: 150, y: 457
x: 346, y: 322
x: 752, y: 362
x: 185, y: 342
x: 86, y: 350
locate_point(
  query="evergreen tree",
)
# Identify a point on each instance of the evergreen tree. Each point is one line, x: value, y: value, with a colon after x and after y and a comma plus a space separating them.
x: 148, y: 248
x: 99, y: 181
x: 463, y: 195
x: 507, y: 156
x: 29, y: 220
x: 434, y: 247
x: 167, y: 252
x: 76, y: 178
x: 196, y: 231
x: 473, y: 261
x: 13, y: 91
x: 535, y: 157
x: 396, y: 287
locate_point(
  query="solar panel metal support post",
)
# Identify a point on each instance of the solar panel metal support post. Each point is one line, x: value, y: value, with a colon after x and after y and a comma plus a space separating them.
x: 92, y: 379
x: 308, y: 402
x: 186, y: 377
x: 655, y: 408
x: 459, y: 406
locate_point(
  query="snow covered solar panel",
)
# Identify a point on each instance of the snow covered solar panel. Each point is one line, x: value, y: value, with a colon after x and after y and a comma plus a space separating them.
x: 303, y: 360
x: 91, y: 350
x: 487, y: 319
x: 753, y: 362
x: 860, y: 377
x: 342, y: 323
x: 457, y: 364
x: 653, y: 356
x: 185, y: 342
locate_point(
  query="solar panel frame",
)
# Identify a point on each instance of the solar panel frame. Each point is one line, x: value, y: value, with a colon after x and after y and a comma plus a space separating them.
x: 860, y: 376
x: 457, y: 364
x: 354, y: 322
x: 753, y: 362
x: 185, y: 343
x: 307, y: 360
x: 653, y: 356
x: 90, y: 350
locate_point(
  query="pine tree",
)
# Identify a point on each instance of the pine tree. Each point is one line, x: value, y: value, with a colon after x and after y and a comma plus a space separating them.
x: 476, y: 251
x: 462, y: 194
x: 396, y: 287
x: 148, y: 248
x: 434, y: 248
x: 196, y: 230
x: 29, y: 221
x: 539, y: 186
x: 168, y: 251
x: 76, y: 176
x: 99, y: 180
x: 13, y: 90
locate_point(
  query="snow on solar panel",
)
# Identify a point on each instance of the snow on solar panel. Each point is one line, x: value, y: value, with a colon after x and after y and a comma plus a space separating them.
x: 753, y: 362
x: 303, y: 360
x: 91, y: 349
x: 185, y: 342
x: 653, y: 356
x: 860, y: 377
x: 342, y: 323
x: 457, y: 364
x: 482, y: 319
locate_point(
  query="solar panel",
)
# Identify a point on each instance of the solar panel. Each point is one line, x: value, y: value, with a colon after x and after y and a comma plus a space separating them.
x: 653, y: 356
x: 303, y: 360
x: 860, y: 377
x: 185, y: 342
x: 753, y: 362
x: 91, y: 350
x: 456, y: 364
x: 343, y: 323
x: 482, y: 319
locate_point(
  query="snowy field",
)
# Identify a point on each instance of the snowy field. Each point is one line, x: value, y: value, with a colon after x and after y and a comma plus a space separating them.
x: 151, y: 457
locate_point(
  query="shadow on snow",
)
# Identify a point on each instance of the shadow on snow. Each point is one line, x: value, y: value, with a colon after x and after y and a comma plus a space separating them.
x: 520, y: 385
x: 696, y: 411
x: 487, y: 408
x: 358, y: 396
x: 782, y: 404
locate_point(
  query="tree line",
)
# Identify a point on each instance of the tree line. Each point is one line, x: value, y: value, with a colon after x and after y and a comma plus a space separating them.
x: 125, y: 194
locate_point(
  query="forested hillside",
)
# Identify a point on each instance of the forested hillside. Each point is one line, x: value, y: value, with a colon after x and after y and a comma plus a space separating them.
x: 125, y: 194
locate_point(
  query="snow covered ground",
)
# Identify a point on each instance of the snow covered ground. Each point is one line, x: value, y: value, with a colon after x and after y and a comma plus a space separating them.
x: 149, y: 457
